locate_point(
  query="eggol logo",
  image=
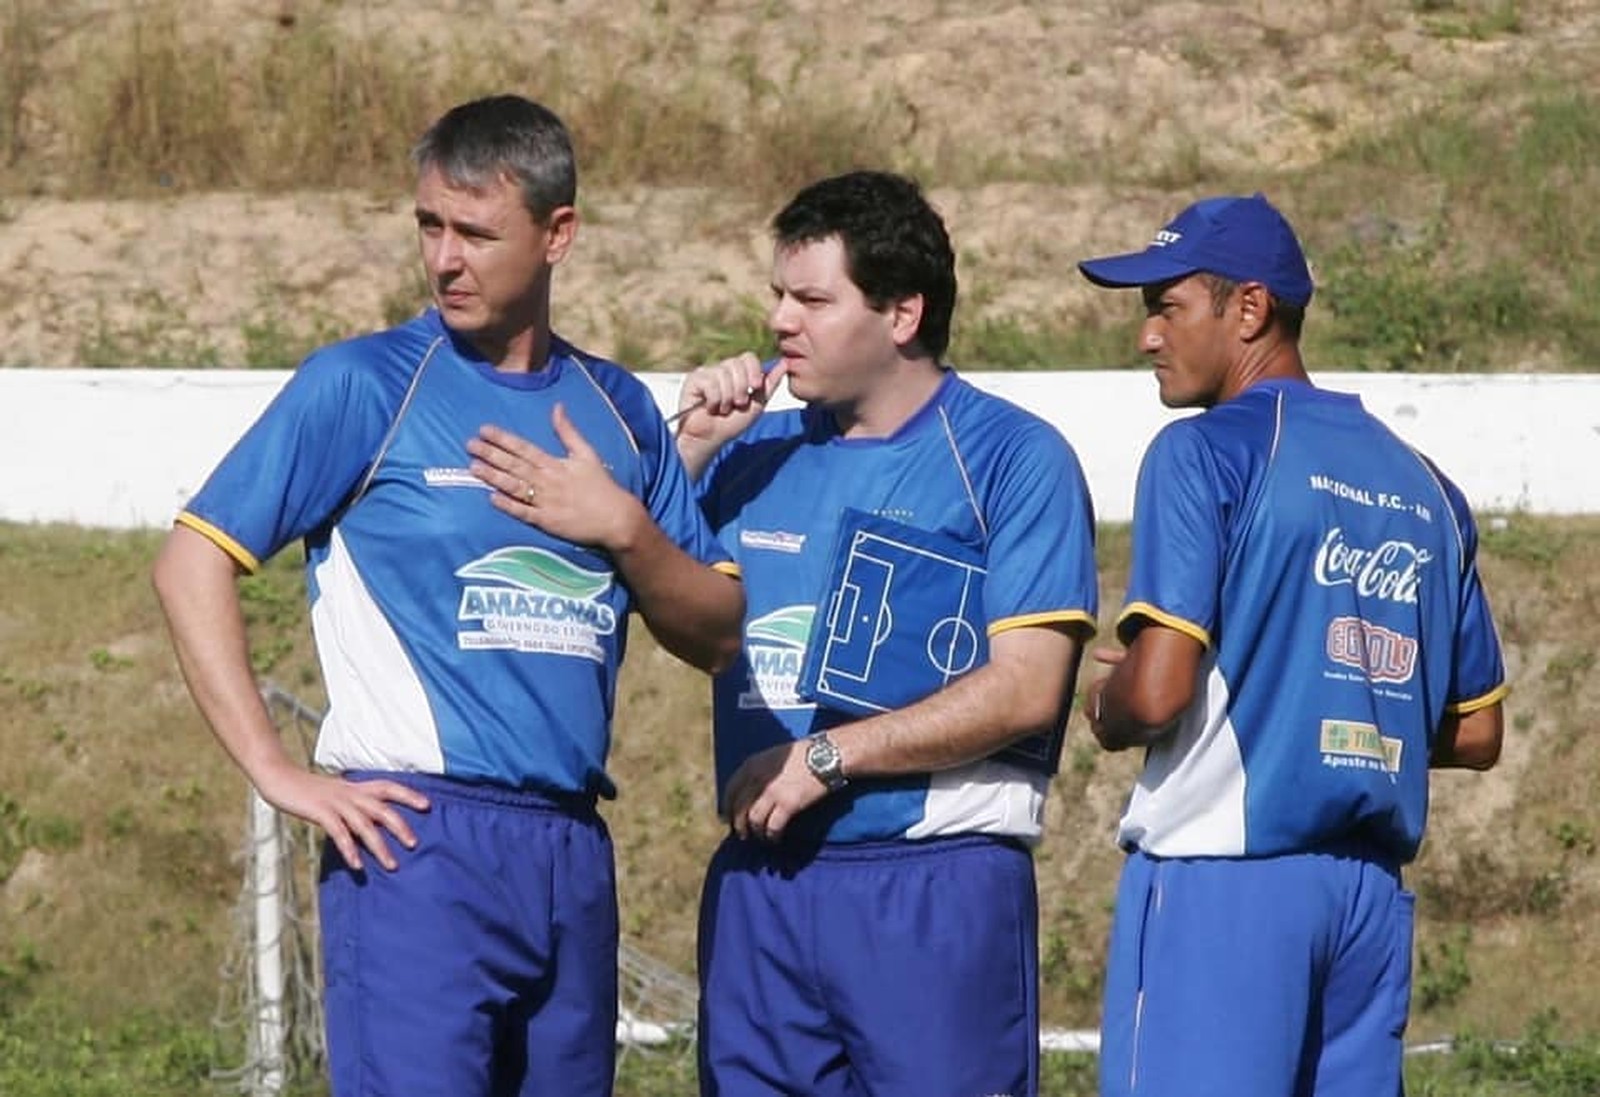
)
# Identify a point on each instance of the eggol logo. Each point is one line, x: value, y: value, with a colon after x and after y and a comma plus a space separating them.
x: 1382, y: 654
x: 539, y: 602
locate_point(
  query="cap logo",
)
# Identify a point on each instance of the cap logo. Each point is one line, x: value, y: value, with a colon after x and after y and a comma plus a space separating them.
x: 1241, y: 239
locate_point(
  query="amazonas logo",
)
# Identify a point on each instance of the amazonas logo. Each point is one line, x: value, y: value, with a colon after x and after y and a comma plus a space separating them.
x: 538, y: 602
x: 775, y: 646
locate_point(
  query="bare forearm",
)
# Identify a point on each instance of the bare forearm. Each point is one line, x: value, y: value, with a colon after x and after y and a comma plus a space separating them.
x: 1151, y: 685
x: 1020, y: 693
x: 694, y: 611
x: 957, y: 725
x: 194, y: 583
x: 696, y: 454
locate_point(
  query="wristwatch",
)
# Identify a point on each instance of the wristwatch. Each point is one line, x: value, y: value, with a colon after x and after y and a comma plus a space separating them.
x: 825, y: 762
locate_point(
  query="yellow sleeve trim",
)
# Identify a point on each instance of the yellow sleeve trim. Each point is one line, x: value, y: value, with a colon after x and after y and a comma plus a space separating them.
x: 1054, y: 617
x: 1145, y: 609
x: 728, y: 567
x: 1498, y: 693
x: 244, y: 556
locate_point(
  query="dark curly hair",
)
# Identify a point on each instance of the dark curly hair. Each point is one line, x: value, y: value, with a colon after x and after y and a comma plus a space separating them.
x: 895, y: 244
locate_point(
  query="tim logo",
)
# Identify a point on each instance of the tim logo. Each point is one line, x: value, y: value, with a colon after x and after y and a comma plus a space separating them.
x: 1382, y: 654
x: 1391, y: 572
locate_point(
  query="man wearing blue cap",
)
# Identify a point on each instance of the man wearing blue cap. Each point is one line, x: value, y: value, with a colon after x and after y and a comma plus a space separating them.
x: 1305, y: 635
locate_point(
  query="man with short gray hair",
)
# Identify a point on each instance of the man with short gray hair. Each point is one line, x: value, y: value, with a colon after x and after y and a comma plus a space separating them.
x: 470, y: 590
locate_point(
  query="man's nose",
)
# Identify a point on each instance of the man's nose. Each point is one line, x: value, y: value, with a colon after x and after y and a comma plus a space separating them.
x: 784, y: 316
x: 1150, y: 339
x: 447, y: 253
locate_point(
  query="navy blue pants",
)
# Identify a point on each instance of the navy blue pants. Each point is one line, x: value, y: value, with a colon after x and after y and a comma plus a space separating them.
x: 485, y: 965
x: 888, y: 969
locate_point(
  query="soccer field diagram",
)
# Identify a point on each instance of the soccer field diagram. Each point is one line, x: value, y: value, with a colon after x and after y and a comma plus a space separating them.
x: 900, y: 617
x: 903, y: 617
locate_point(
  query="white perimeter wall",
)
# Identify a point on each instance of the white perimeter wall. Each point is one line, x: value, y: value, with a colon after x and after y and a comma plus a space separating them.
x: 125, y: 448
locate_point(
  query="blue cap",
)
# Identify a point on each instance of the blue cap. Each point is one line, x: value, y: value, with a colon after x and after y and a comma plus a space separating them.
x: 1244, y: 239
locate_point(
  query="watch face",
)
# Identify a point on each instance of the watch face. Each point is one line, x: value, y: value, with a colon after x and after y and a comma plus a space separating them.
x: 822, y: 759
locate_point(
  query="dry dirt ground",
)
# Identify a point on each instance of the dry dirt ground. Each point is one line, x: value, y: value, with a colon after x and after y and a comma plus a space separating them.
x: 1131, y: 96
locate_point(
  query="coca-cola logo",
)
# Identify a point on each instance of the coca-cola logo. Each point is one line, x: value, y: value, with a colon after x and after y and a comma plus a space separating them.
x: 1391, y: 572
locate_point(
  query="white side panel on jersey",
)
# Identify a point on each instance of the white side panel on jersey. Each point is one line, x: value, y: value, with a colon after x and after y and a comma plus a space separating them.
x: 1189, y: 801
x: 378, y: 716
x: 986, y: 797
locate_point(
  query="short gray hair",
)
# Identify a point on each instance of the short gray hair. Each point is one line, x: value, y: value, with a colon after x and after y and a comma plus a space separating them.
x: 503, y: 136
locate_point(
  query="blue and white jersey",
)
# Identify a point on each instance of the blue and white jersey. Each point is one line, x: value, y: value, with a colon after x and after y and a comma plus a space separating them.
x: 968, y: 465
x: 1330, y: 571
x: 454, y: 639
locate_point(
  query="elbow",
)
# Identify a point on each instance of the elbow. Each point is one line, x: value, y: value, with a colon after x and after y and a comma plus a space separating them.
x: 729, y: 642
x: 1026, y: 710
x: 721, y: 645
x: 1157, y: 710
x: 1024, y: 722
x: 1140, y: 721
x: 165, y: 574
x: 1485, y: 759
x: 1479, y: 755
x: 1471, y: 741
x: 724, y: 654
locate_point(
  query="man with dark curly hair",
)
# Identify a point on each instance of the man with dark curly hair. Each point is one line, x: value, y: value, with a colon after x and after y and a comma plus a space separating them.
x: 918, y: 561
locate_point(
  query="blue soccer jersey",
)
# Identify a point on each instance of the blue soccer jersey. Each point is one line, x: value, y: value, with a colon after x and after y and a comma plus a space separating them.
x: 454, y: 639
x: 969, y: 466
x: 1330, y: 573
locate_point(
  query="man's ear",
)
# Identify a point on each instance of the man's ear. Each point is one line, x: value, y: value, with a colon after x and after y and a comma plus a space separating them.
x: 1255, y: 310
x: 562, y: 225
x: 905, y: 318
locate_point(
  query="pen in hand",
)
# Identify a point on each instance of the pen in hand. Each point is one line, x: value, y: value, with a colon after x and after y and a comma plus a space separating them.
x: 696, y: 406
x: 750, y: 390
